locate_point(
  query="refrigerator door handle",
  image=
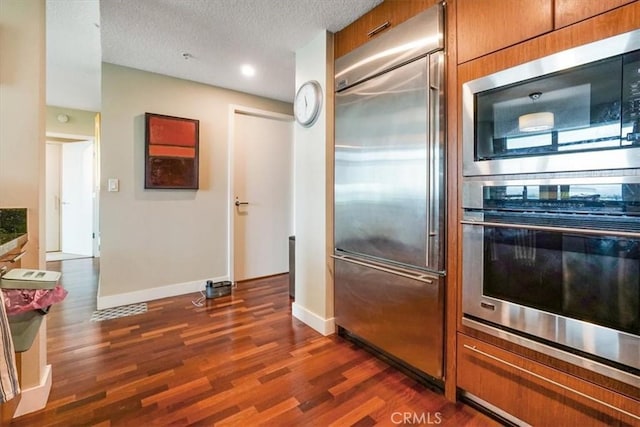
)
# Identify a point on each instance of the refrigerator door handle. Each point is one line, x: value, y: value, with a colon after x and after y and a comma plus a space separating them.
x: 421, y: 277
x: 433, y: 148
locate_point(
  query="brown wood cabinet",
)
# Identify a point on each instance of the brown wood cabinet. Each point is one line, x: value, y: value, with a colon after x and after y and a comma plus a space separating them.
x: 386, y: 15
x: 485, y: 26
x: 567, y: 12
x: 536, y: 393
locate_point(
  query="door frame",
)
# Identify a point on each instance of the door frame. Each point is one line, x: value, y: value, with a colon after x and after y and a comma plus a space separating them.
x: 233, y: 110
x: 95, y: 184
x: 58, y: 202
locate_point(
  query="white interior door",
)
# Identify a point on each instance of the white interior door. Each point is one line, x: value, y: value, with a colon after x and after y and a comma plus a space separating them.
x: 262, y: 194
x: 77, y: 198
x: 52, y: 205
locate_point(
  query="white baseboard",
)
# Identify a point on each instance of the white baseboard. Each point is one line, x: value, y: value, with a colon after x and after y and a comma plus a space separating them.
x: 153, y: 293
x: 324, y: 326
x: 35, y: 398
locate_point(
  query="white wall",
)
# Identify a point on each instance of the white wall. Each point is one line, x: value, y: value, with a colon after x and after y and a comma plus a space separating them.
x: 157, y: 243
x: 313, y: 164
x: 22, y: 147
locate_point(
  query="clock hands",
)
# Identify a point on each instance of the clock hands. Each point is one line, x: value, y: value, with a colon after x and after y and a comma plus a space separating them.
x: 307, y: 103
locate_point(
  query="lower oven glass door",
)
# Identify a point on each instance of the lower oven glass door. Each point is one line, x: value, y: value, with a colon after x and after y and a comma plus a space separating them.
x: 573, y: 289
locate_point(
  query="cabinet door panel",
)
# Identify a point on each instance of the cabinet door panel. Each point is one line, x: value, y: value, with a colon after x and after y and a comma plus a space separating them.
x: 535, y: 393
x: 568, y: 12
x: 486, y: 26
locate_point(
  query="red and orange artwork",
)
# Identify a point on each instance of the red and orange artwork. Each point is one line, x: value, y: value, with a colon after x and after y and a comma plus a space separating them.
x: 171, y: 152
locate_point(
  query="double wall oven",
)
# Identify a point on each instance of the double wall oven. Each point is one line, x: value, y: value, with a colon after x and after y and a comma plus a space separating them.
x: 551, y: 206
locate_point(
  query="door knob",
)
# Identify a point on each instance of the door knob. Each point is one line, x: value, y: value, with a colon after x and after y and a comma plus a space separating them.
x: 238, y: 203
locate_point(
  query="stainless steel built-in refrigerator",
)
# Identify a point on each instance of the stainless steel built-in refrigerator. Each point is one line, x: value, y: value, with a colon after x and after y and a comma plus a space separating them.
x: 389, y: 193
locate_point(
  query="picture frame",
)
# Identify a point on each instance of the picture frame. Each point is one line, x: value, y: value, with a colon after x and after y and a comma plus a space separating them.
x: 171, y: 152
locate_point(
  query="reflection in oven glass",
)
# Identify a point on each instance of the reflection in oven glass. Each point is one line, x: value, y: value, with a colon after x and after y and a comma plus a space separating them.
x: 595, y: 279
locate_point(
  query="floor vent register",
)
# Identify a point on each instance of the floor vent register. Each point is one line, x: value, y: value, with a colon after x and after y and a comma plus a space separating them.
x: 116, y: 312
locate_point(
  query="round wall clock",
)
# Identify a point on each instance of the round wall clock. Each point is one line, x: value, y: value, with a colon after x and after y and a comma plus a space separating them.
x: 307, y: 103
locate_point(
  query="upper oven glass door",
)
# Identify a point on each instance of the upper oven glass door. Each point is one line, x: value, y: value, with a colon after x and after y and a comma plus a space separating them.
x: 575, y: 110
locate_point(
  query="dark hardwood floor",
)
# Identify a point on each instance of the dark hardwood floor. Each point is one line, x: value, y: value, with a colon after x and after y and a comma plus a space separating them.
x: 239, y: 360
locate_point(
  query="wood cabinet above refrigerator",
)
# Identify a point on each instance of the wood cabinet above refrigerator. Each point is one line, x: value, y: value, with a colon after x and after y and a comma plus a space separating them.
x: 386, y: 15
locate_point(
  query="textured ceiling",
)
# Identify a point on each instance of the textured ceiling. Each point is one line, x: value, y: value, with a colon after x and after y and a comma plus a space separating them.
x: 219, y: 36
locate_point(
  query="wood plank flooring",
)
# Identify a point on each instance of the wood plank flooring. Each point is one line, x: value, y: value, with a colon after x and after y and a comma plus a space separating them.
x: 238, y: 360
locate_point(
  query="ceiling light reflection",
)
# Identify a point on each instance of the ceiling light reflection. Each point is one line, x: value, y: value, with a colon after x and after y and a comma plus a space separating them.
x: 416, y: 44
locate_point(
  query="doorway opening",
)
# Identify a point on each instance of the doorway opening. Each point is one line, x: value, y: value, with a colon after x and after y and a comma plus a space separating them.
x: 71, y: 197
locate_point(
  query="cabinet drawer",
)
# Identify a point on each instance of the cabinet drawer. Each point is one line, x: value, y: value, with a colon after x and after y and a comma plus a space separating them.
x: 535, y: 393
x: 398, y: 314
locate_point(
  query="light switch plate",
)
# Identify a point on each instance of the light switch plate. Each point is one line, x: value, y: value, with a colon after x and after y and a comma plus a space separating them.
x: 113, y: 184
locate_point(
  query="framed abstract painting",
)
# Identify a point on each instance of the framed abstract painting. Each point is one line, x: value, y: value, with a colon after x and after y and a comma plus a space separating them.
x: 171, y: 152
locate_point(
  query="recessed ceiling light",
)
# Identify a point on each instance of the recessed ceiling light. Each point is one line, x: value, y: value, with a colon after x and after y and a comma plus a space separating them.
x: 248, y: 70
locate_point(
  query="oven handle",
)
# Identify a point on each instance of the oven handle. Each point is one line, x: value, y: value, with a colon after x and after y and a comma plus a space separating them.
x: 590, y: 232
